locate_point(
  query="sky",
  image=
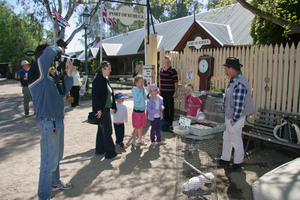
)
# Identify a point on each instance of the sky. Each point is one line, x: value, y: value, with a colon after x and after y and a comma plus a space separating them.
x: 75, y: 44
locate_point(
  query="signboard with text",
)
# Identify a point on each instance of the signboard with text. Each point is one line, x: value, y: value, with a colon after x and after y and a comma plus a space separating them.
x: 198, y: 42
x: 189, y: 75
x: 148, y: 73
x: 83, y: 85
x: 126, y: 15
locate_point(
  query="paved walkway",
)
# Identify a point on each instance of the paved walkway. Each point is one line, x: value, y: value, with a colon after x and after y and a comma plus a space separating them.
x: 147, y: 172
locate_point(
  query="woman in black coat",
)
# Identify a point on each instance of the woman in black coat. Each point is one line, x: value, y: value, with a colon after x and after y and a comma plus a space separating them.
x: 102, y: 101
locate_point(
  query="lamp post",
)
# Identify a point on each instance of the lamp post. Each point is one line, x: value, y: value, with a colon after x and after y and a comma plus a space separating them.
x: 86, y: 20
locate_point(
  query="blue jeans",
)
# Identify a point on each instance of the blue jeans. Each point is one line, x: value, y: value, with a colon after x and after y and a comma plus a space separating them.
x: 52, y: 147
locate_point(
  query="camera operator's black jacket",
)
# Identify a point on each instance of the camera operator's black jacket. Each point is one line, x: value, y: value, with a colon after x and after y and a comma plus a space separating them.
x: 99, y: 93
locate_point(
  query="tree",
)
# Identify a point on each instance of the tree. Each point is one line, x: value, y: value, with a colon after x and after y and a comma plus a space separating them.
x: 270, y: 10
x: 19, y: 34
x: 179, y: 8
x: 275, y: 21
x: 40, y: 7
x: 264, y: 31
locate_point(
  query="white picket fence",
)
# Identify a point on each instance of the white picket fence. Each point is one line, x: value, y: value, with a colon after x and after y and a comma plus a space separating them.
x: 273, y: 72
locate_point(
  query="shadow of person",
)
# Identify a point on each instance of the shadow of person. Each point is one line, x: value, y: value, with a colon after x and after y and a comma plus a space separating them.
x: 131, y: 161
x: 146, y: 128
x: 151, y: 154
x: 238, y: 186
x: 86, y: 175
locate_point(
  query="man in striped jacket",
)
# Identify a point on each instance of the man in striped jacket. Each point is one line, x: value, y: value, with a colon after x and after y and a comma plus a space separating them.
x: 168, y: 85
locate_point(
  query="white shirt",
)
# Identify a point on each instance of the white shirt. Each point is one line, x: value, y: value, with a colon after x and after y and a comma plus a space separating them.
x: 121, y: 115
x: 76, y: 78
x: 157, y: 115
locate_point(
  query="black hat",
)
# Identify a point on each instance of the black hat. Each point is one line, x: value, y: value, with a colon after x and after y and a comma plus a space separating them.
x: 233, y: 62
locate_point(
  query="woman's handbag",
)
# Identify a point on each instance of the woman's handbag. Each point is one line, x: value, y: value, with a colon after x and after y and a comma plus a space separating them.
x: 92, y: 118
x: 69, y: 98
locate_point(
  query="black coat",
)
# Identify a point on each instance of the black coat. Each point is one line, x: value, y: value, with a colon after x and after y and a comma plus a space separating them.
x: 99, y: 94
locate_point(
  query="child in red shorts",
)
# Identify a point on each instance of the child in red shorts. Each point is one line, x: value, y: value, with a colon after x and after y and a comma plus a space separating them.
x: 139, y: 106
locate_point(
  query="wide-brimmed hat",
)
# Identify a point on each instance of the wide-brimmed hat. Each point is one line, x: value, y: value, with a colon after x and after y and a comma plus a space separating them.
x: 233, y: 62
x: 152, y: 87
x: 119, y: 95
x: 24, y: 62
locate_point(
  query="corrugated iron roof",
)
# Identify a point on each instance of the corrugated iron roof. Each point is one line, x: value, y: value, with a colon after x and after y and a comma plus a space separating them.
x: 220, y: 32
x: 229, y: 26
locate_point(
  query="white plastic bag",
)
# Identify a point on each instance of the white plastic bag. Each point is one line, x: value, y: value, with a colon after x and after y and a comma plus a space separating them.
x: 200, y: 117
x: 197, y: 182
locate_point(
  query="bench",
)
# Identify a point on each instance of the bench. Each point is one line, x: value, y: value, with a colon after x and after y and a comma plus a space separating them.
x: 263, y: 126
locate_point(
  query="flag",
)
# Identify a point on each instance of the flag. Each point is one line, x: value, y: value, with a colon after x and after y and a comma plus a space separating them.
x: 60, y: 20
x: 106, y: 20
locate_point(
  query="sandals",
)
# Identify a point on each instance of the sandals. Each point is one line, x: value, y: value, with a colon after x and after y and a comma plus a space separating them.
x: 161, y: 142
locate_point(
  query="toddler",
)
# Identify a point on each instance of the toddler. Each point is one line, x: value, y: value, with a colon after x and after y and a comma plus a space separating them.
x: 155, y: 108
x: 192, y: 104
x: 119, y: 118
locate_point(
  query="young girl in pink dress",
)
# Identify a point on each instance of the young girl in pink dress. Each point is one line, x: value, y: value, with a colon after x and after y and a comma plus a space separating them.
x: 191, y: 104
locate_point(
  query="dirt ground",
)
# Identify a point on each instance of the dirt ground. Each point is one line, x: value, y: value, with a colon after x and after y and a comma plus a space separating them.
x: 146, y: 172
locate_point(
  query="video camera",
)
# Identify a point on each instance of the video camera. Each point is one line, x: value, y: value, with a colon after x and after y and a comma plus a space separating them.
x: 62, y: 60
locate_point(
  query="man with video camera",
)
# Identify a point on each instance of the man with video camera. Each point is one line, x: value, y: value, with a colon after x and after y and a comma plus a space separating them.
x: 48, y: 95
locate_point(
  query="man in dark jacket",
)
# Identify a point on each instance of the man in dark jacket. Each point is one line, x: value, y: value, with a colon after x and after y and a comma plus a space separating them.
x: 48, y: 100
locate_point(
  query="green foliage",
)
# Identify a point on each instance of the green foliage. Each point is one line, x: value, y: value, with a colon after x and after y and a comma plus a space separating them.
x: 214, y: 88
x: 95, y: 65
x: 219, y: 3
x: 19, y: 34
x: 265, y: 32
x: 131, y: 80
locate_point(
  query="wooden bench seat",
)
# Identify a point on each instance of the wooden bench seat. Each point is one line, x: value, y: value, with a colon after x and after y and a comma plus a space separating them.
x: 264, y: 123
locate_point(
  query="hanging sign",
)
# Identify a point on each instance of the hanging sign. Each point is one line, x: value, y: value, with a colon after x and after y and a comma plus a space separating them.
x: 126, y: 15
x: 198, y: 42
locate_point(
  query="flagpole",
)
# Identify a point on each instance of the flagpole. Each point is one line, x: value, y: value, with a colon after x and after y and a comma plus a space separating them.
x: 145, y: 36
x: 101, y: 24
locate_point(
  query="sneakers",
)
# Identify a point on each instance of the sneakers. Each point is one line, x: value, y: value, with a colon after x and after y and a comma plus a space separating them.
x: 62, y: 186
x: 139, y: 142
x: 142, y: 142
x: 134, y: 143
x: 185, y: 148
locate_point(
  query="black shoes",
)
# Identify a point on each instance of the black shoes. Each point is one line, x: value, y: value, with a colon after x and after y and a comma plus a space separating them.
x: 226, y: 165
x: 222, y: 163
x: 235, y: 167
